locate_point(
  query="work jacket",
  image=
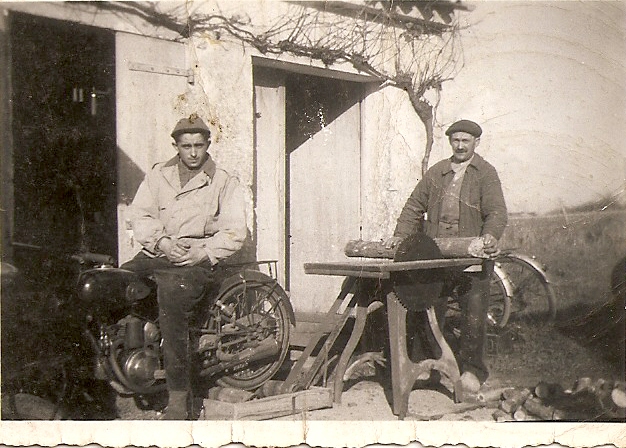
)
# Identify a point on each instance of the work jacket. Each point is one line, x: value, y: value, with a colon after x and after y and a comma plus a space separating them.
x: 209, y: 211
x: 482, y: 209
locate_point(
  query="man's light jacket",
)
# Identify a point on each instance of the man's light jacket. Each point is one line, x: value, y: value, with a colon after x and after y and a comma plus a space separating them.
x: 209, y: 211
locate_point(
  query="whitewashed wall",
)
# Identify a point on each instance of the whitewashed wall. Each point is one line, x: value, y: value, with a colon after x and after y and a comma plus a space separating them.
x: 546, y: 80
x: 393, y: 136
x: 393, y: 147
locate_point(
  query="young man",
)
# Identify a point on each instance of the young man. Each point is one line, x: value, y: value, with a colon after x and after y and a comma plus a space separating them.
x: 461, y: 197
x: 188, y: 215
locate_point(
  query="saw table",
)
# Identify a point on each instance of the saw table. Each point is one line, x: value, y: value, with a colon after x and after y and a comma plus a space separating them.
x: 354, y: 298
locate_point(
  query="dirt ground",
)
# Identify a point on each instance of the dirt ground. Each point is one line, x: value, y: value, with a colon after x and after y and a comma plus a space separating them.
x: 518, y: 359
x: 549, y: 357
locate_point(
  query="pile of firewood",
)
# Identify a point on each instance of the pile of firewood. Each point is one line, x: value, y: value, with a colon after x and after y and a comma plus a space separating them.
x: 587, y: 400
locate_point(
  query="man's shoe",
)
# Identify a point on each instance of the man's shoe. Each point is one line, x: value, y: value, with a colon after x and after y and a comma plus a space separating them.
x: 470, y: 383
x: 177, y: 406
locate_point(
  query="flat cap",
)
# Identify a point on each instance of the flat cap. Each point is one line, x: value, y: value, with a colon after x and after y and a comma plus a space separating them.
x: 465, y: 126
x: 191, y: 125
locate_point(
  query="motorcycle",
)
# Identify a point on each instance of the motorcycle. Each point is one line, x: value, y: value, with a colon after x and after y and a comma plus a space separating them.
x: 239, y: 339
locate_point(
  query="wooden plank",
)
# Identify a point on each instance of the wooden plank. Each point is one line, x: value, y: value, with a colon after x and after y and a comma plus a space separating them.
x: 381, y: 269
x: 270, y: 407
x: 348, y: 268
x: 296, y: 376
x: 302, y: 334
x: 430, y: 264
x: 346, y: 272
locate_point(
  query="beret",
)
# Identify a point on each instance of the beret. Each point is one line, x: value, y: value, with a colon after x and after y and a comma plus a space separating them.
x: 191, y: 125
x: 465, y: 126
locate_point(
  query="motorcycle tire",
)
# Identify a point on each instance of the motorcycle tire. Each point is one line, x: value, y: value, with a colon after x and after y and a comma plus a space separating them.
x: 264, y: 303
x: 22, y: 406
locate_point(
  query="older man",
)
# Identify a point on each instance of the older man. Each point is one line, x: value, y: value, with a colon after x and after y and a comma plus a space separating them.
x: 188, y: 215
x: 461, y: 197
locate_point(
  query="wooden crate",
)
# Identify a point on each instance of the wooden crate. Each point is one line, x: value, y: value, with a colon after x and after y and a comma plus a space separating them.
x: 270, y: 407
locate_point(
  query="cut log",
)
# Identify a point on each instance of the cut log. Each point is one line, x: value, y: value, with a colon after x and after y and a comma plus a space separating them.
x: 604, y: 390
x: 493, y: 394
x: 500, y: 416
x: 449, y: 247
x: 369, y: 249
x: 229, y: 394
x: 618, y: 394
x: 549, y: 391
x: 461, y: 247
x: 534, y: 406
x: 520, y: 415
x: 510, y: 393
x: 514, y: 400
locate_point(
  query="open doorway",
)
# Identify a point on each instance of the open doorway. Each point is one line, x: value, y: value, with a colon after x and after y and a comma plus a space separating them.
x: 64, y: 142
x: 308, y: 177
x: 323, y: 145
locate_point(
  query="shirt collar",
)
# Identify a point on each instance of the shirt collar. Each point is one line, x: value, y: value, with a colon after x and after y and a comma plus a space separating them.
x: 474, y: 161
x: 209, y: 165
x: 456, y: 167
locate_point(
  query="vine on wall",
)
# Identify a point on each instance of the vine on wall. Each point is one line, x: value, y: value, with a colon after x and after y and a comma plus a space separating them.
x: 410, y: 45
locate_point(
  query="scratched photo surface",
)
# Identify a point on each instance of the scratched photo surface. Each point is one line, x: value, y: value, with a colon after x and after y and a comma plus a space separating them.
x: 328, y: 113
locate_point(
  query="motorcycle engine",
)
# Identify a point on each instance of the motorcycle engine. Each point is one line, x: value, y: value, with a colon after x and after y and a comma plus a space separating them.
x: 136, y: 353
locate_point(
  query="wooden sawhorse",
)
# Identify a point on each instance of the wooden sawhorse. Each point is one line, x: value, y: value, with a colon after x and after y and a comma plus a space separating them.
x: 404, y: 372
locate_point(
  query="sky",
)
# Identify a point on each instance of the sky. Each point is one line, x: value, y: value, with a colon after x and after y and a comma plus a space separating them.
x: 547, y: 82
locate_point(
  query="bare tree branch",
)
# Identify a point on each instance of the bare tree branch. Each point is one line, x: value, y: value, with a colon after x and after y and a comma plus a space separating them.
x: 384, y: 39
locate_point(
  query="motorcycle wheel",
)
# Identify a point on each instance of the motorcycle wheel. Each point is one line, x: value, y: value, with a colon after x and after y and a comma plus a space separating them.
x: 23, y: 406
x: 261, y: 307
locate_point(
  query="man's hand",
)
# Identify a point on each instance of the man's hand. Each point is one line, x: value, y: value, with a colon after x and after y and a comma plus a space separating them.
x: 171, y: 248
x: 393, y: 242
x: 182, y: 254
x: 192, y: 257
x: 490, y: 244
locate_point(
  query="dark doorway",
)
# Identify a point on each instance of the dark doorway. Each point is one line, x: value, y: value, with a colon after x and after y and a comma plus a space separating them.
x: 323, y: 188
x: 64, y: 142
x: 314, y: 103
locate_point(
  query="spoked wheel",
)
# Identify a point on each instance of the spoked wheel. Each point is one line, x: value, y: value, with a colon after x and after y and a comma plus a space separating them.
x: 499, y: 310
x: 532, y: 297
x: 500, y: 293
x: 258, y: 322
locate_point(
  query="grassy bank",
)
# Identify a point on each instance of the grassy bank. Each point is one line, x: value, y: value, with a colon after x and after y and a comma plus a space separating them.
x: 579, y: 250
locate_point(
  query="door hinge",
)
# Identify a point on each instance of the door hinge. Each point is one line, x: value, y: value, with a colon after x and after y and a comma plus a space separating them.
x: 151, y: 68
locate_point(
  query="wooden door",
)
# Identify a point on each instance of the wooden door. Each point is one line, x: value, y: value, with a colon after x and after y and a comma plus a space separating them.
x: 151, y: 79
x: 270, y: 181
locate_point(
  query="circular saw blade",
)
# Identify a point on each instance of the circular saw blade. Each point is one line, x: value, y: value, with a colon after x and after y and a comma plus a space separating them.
x: 418, y: 289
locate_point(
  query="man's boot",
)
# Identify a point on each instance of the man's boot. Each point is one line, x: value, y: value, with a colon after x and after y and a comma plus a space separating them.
x: 177, y: 406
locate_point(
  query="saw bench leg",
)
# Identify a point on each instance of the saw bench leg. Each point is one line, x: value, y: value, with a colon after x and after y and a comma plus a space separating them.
x: 404, y: 372
x: 298, y: 378
x: 355, y: 337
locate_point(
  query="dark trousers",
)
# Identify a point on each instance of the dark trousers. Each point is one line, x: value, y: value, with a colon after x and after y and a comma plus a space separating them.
x: 474, y: 302
x: 179, y: 290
